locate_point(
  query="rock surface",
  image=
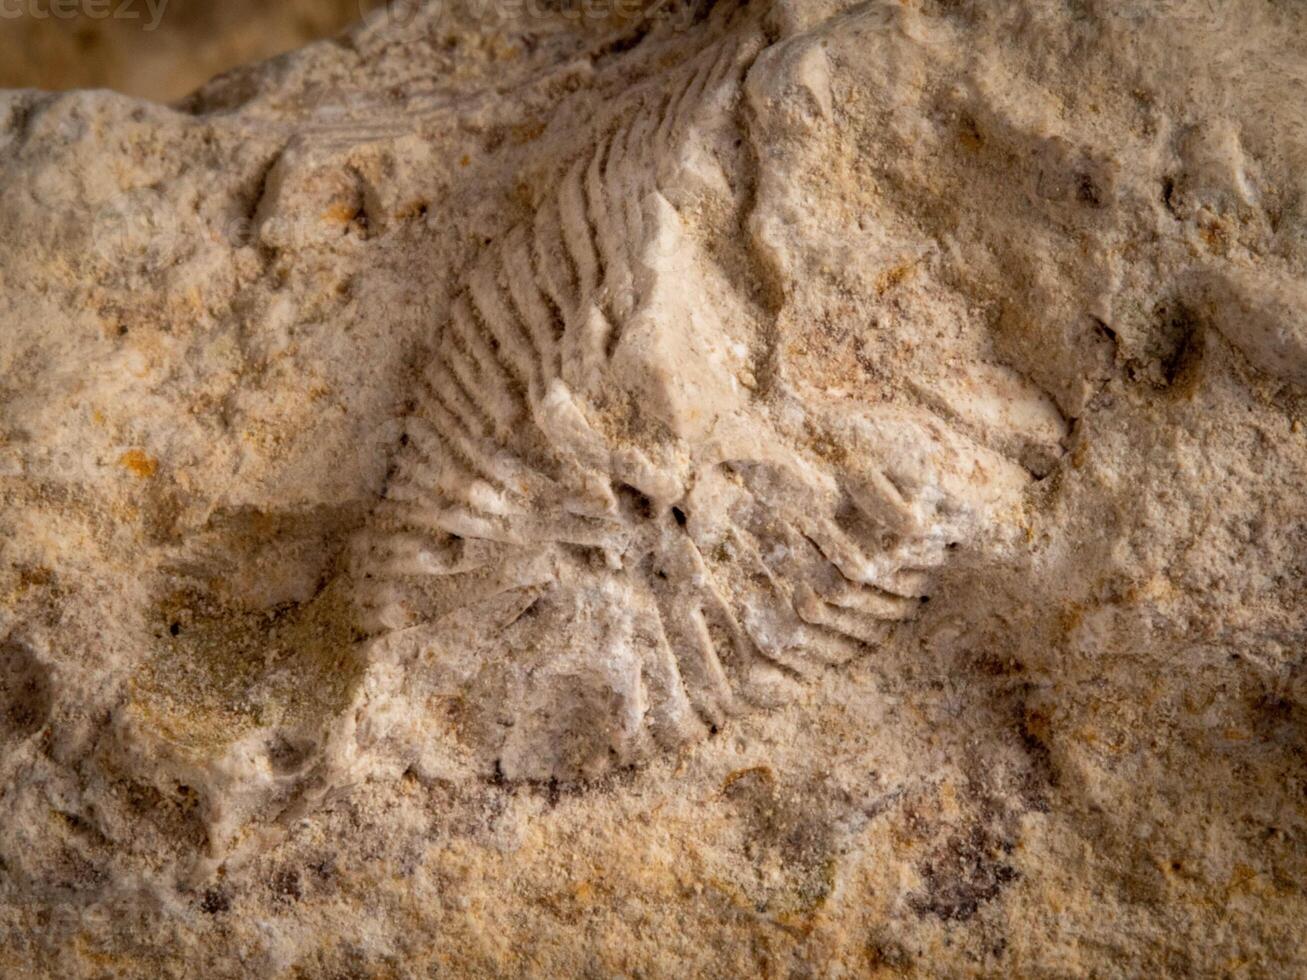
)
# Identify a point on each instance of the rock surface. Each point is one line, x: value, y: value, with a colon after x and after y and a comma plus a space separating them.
x: 793, y: 489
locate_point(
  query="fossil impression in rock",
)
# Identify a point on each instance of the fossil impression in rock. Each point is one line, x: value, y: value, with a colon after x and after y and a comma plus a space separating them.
x: 469, y: 492
x: 640, y: 489
x: 618, y: 518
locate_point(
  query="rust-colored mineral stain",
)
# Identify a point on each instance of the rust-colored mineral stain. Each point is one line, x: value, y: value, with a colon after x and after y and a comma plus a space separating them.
x: 139, y: 463
x: 341, y: 213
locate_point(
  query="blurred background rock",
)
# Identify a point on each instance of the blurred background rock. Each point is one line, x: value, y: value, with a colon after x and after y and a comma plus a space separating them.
x: 62, y: 44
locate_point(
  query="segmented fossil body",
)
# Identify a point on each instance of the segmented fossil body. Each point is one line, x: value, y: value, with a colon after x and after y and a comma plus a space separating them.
x: 604, y: 529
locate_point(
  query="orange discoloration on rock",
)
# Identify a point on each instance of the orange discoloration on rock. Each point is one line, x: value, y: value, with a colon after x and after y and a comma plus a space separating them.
x: 341, y: 213
x: 139, y: 463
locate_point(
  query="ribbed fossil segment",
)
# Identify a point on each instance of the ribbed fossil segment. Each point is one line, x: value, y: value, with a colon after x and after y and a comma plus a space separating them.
x: 606, y: 532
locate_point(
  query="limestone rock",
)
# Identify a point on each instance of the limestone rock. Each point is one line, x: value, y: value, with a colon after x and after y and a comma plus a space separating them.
x: 799, y: 489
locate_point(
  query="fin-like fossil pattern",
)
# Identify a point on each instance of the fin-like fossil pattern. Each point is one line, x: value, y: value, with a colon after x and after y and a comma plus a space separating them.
x: 603, y: 528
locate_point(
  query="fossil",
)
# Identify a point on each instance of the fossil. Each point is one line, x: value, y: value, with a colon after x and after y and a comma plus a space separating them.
x: 470, y: 492
x: 637, y: 495
x: 617, y: 520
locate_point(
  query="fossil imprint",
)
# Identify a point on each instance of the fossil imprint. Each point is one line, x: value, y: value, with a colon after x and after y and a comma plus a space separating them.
x: 639, y: 492
x: 617, y: 520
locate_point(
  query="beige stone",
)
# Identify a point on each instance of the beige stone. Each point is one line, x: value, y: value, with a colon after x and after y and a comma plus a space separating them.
x: 787, y: 490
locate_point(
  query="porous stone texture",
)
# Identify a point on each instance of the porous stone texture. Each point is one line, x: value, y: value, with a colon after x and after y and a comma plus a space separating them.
x: 796, y: 489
